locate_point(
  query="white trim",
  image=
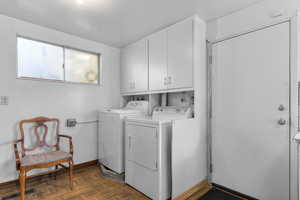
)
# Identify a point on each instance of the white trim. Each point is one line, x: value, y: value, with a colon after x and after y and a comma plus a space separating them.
x: 251, y: 30
x: 209, y: 113
x: 294, y: 59
x: 157, y: 91
x: 57, y: 81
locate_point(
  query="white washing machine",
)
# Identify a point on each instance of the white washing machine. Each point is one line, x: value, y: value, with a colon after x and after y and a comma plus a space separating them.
x: 111, y: 134
x: 148, y: 151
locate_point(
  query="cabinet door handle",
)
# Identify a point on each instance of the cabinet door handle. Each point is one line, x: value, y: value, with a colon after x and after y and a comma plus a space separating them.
x: 165, y: 81
x: 129, y: 142
x: 132, y: 85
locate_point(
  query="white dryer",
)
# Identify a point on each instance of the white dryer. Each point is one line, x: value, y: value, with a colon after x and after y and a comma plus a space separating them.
x: 148, y: 151
x: 111, y: 134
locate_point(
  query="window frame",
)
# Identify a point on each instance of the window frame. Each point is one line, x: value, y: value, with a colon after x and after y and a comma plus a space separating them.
x: 64, y: 48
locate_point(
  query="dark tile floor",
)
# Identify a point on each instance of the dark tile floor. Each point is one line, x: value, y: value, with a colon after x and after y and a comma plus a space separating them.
x: 215, y: 194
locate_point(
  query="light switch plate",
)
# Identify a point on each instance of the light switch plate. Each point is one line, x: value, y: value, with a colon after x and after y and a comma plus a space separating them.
x: 3, y: 100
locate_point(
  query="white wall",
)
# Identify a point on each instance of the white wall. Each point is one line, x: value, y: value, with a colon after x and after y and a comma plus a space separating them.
x: 28, y: 98
x: 251, y: 17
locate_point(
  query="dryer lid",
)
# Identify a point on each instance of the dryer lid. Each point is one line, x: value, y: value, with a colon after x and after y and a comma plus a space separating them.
x: 137, y: 105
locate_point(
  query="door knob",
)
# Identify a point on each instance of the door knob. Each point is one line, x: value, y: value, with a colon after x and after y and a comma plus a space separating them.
x: 281, y: 108
x: 281, y: 122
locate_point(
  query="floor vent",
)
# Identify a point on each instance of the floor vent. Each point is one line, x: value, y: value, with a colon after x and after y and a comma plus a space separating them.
x: 107, y: 173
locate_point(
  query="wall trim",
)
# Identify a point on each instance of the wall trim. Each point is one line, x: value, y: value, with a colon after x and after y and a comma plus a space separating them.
x: 201, y: 187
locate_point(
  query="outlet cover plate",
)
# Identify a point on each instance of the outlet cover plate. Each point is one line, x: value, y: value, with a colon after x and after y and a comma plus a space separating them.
x: 3, y: 100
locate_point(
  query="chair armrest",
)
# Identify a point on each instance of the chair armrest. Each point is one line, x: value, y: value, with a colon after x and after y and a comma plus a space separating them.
x: 70, y: 142
x: 18, y: 161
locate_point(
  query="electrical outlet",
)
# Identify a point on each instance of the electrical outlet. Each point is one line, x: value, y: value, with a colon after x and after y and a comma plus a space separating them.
x: 71, y: 122
x: 4, y: 100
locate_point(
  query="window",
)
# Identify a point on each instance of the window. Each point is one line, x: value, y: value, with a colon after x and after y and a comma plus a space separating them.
x: 41, y: 60
x: 81, y: 67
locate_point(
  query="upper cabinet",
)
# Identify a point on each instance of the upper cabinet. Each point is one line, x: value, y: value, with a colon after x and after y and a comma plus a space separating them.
x: 134, y: 67
x: 158, y: 69
x: 163, y: 61
x: 180, y: 55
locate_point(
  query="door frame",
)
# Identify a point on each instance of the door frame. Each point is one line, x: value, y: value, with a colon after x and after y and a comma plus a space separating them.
x: 294, y: 22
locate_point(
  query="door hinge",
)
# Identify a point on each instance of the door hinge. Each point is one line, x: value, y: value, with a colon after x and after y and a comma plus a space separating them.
x: 210, y: 59
x: 210, y: 112
x: 156, y: 165
x: 298, y: 93
x: 210, y: 168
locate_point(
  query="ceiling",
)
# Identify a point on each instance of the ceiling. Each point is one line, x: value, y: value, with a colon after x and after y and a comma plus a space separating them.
x: 115, y: 22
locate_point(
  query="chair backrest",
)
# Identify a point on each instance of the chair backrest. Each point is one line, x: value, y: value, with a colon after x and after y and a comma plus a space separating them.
x: 40, y: 129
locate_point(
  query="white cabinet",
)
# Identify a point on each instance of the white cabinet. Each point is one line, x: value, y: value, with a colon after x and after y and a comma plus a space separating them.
x: 163, y: 60
x: 158, y: 74
x: 134, y: 69
x: 180, y: 55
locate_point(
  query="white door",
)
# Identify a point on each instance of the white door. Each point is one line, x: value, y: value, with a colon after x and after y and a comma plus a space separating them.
x: 180, y: 55
x: 158, y: 61
x: 134, y: 67
x: 142, y: 145
x: 250, y: 118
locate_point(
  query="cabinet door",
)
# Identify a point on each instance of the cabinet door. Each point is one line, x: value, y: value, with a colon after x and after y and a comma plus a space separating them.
x: 158, y: 61
x: 142, y: 145
x: 180, y: 55
x: 135, y: 67
x: 126, y: 79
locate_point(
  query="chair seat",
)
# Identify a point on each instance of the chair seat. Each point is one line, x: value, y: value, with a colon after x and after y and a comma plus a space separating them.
x: 43, y: 158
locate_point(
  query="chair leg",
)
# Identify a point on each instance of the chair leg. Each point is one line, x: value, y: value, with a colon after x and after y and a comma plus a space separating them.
x: 22, y: 179
x: 71, y: 174
x: 55, y: 173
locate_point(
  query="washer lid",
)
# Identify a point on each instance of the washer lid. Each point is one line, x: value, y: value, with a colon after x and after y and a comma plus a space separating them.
x: 138, y: 105
x: 146, y: 120
x: 123, y: 111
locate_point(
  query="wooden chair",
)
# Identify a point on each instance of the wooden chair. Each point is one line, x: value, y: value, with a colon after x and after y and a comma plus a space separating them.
x: 52, y: 157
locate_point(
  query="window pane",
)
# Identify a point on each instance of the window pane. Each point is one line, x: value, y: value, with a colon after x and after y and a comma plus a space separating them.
x: 81, y: 66
x: 39, y: 60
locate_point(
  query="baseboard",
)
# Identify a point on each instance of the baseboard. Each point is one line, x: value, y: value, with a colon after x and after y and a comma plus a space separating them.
x: 86, y: 164
x: 78, y: 166
x: 202, y: 186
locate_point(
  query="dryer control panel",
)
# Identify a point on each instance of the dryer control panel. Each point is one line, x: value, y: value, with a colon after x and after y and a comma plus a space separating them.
x: 172, y: 112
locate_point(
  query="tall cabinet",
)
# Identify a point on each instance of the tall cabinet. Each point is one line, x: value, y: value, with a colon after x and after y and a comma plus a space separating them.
x: 180, y: 55
x: 158, y: 70
x: 162, y: 61
x: 134, y: 70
